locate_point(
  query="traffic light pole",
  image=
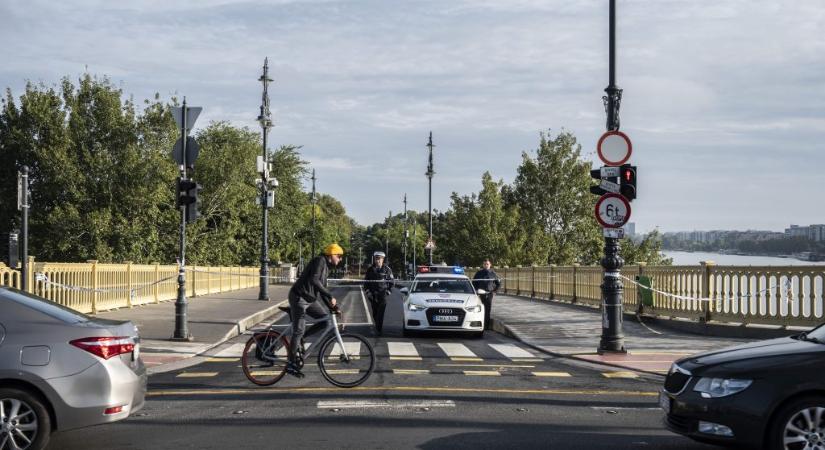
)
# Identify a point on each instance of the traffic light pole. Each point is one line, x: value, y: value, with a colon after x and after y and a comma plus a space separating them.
x: 430, y: 174
x: 181, y: 324
x: 612, y: 338
x: 24, y: 206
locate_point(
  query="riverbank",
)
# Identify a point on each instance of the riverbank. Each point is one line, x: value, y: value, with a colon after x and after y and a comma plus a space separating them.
x: 683, y: 258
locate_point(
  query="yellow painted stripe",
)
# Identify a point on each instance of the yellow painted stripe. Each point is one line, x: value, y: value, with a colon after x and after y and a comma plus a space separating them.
x: 503, y: 366
x: 551, y: 374
x: 219, y: 359
x: 405, y: 358
x: 197, y: 374
x: 482, y: 373
x: 410, y: 371
x: 266, y: 373
x: 342, y: 371
x: 527, y: 359
x: 465, y: 358
x: 620, y: 374
x: 446, y: 390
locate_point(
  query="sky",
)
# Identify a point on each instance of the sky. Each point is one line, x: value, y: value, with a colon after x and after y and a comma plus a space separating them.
x: 724, y: 100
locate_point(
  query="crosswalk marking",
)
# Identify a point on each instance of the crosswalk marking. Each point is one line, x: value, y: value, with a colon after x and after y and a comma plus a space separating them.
x: 511, y: 351
x: 403, y: 351
x: 410, y: 371
x: 493, y: 373
x: 620, y: 374
x: 353, y: 348
x: 197, y: 374
x: 458, y: 352
x: 551, y: 374
x: 355, y: 404
x: 234, y: 350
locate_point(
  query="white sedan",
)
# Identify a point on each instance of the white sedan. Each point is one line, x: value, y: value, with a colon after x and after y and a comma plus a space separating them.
x: 443, y: 298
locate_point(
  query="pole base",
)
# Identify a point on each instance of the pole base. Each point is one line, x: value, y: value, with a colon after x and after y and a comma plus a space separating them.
x: 611, y: 348
x: 189, y: 338
x: 266, y: 299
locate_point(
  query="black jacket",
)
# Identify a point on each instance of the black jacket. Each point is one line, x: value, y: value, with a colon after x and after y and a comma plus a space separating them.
x: 487, y: 280
x: 374, y: 273
x: 311, y: 285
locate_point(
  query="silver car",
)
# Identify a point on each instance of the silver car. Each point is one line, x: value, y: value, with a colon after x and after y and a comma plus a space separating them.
x: 60, y: 369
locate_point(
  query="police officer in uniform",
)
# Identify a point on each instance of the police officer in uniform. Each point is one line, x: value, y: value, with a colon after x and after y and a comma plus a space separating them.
x: 379, y: 283
x: 487, y: 279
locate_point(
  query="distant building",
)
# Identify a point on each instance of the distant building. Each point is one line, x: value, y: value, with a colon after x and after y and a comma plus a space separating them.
x: 796, y: 231
x: 816, y: 233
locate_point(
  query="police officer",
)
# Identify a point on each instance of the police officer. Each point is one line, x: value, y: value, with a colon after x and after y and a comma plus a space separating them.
x: 303, y: 301
x: 487, y: 279
x: 379, y: 283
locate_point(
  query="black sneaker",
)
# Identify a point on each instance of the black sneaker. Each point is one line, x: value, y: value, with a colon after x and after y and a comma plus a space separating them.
x: 293, y: 370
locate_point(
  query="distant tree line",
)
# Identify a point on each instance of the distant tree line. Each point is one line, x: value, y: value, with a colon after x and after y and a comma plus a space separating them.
x: 778, y: 246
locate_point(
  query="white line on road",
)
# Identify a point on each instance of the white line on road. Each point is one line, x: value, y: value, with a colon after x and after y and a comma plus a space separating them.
x: 406, y: 349
x: 391, y: 404
x: 233, y: 351
x: 511, y: 351
x: 366, y: 307
x: 454, y: 350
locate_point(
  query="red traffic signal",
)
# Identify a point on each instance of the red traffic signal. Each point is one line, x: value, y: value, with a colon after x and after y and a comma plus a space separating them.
x: 627, y: 181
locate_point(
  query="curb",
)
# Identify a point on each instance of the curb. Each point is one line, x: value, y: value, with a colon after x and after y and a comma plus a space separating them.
x: 502, y: 328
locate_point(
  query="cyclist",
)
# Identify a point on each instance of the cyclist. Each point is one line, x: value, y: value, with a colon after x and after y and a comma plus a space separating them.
x: 303, y: 296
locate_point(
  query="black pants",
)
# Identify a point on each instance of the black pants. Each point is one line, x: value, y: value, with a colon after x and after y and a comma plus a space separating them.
x: 378, y: 304
x: 298, y: 310
x: 487, y: 300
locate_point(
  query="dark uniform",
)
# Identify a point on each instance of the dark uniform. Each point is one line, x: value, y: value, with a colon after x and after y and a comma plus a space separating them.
x: 379, y: 284
x: 488, y: 280
x: 310, y: 287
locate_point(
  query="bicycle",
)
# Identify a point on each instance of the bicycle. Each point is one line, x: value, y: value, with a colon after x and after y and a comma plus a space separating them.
x: 344, y: 359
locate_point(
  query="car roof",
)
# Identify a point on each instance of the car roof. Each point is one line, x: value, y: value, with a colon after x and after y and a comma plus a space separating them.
x: 442, y: 276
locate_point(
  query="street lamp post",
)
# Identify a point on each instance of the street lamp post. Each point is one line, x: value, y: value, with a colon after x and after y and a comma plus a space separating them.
x: 387, y: 238
x: 612, y: 338
x: 430, y: 174
x: 313, y: 199
x: 406, y: 235
x: 265, y: 119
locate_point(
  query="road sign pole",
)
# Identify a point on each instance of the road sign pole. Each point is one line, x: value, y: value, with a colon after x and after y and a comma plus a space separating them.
x: 181, y: 324
x: 24, y: 206
x: 612, y: 338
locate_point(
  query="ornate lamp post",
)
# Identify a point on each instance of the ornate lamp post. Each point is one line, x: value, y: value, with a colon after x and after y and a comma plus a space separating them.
x: 265, y: 120
x: 430, y: 174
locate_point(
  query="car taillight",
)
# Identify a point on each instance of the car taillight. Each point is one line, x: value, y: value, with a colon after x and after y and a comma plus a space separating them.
x: 105, y: 347
x: 113, y: 410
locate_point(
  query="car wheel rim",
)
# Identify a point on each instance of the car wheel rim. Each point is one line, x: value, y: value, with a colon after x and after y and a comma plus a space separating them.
x: 18, y: 424
x: 805, y: 430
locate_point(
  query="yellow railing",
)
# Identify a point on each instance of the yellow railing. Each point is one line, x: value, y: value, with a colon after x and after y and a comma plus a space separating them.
x: 773, y: 295
x: 92, y: 287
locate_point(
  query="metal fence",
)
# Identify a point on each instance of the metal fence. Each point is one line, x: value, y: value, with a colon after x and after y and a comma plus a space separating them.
x: 771, y: 295
x: 92, y: 287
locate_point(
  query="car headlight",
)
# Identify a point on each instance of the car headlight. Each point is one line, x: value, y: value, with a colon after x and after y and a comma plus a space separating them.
x: 414, y: 307
x: 720, y: 387
x: 474, y: 308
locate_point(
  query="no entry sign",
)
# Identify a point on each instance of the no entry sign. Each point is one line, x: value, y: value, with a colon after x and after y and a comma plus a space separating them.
x: 614, y: 148
x: 612, y: 210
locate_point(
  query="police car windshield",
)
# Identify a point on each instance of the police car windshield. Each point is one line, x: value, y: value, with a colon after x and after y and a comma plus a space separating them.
x: 443, y: 285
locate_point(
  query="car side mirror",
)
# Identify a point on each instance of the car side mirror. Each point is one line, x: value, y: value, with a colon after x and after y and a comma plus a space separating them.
x: 405, y: 290
x: 481, y: 292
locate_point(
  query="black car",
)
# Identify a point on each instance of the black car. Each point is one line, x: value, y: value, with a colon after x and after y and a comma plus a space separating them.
x: 767, y: 394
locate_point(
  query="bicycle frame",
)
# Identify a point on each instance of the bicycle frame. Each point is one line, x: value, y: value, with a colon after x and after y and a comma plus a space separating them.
x: 332, y: 326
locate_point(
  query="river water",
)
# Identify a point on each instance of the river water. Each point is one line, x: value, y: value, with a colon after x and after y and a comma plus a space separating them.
x: 693, y: 258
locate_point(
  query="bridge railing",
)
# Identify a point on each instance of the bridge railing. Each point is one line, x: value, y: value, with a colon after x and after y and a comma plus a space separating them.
x: 91, y: 287
x: 770, y: 295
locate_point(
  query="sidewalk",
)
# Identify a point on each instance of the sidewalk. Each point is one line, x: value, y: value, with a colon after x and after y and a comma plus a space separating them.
x: 574, y: 331
x: 212, y: 319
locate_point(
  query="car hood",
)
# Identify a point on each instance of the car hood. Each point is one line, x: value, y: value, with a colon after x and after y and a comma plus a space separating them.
x: 437, y: 299
x: 768, y: 350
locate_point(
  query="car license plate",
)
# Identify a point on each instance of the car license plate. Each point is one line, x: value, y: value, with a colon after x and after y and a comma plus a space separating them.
x: 445, y: 318
x: 664, y: 402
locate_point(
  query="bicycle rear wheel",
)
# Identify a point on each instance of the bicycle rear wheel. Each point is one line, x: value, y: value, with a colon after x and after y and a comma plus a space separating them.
x: 350, y: 370
x: 264, y: 357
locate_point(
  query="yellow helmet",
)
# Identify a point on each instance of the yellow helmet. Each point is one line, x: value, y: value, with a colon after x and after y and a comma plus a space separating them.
x: 333, y: 249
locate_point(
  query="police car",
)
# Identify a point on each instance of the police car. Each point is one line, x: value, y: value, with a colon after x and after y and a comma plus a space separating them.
x: 442, y: 298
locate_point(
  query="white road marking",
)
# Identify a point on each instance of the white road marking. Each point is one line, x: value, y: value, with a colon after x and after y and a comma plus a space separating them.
x: 390, y: 404
x: 353, y: 348
x: 620, y: 374
x: 403, y: 351
x: 454, y: 350
x: 511, y: 351
x: 197, y: 374
x: 410, y: 371
x: 551, y: 374
x: 366, y: 307
x: 482, y: 373
x: 233, y: 351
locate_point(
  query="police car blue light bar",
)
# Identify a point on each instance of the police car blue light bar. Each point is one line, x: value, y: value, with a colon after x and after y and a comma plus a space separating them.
x: 458, y: 270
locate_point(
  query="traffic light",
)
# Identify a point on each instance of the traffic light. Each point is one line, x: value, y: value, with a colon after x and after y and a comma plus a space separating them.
x: 627, y: 181
x: 187, y: 195
x: 192, y: 209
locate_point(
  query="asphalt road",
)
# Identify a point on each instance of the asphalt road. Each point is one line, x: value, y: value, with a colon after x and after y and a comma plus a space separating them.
x: 428, y: 392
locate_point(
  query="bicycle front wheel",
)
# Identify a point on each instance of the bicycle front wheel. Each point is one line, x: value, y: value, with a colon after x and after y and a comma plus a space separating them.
x: 349, y: 368
x: 264, y: 357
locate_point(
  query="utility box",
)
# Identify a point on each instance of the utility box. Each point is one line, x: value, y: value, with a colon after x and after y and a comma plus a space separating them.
x: 645, y: 295
x: 10, y: 249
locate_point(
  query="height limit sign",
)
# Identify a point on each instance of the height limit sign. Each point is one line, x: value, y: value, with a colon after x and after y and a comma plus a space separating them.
x: 612, y: 210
